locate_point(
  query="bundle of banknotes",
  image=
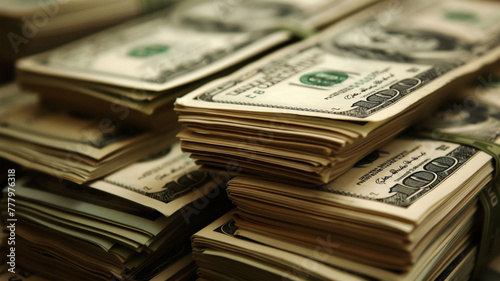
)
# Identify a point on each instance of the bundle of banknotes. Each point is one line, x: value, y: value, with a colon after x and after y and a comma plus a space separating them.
x: 133, y: 224
x: 134, y: 72
x: 110, y: 220
x: 30, y: 27
x: 295, y: 106
x: 68, y: 145
x: 309, y: 112
x: 415, y: 209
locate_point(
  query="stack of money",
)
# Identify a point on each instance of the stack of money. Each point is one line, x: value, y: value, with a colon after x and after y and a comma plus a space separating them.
x: 68, y: 145
x: 408, y: 211
x: 31, y: 27
x: 222, y: 254
x: 309, y: 112
x: 133, y: 224
x: 136, y: 70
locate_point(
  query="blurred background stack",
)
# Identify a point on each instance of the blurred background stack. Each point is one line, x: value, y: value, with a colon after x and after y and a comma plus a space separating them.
x: 134, y: 72
x: 34, y: 26
x: 290, y: 164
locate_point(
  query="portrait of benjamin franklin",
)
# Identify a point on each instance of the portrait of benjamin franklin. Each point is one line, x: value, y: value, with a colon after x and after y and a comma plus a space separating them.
x: 481, y: 121
x: 400, y: 45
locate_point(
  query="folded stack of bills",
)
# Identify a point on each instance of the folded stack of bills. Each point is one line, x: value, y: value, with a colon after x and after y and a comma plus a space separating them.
x: 309, y: 112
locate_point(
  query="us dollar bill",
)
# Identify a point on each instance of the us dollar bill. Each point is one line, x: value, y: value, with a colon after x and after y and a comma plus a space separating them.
x: 165, y: 181
x: 402, y: 172
x: 473, y: 119
x: 181, y: 45
x: 412, y: 167
x: 372, y: 67
x: 404, y: 180
x: 407, y: 169
x: 479, y: 121
x: 164, y: 176
x: 474, y: 113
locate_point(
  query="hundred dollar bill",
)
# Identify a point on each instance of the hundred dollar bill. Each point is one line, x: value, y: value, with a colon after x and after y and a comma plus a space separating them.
x: 404, y: 172
x: 398, y: 209
x: 474, y: 112
x: 472, y: 118
x: 400, y: 196
x: 140, y: 65
x: 401, y: 182
x: 349, y: 100
x: 374, y: 66
x: 165, y: 181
